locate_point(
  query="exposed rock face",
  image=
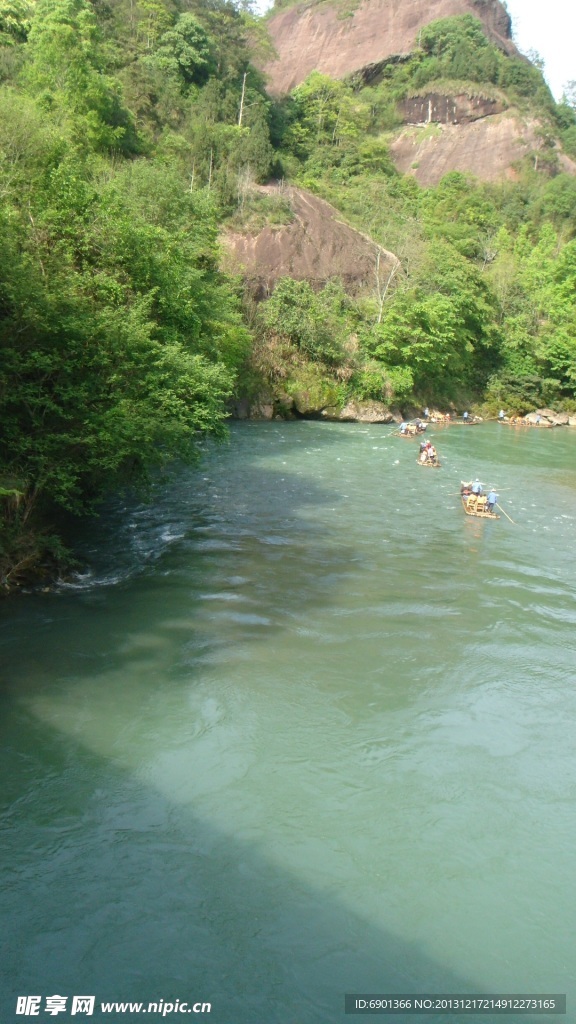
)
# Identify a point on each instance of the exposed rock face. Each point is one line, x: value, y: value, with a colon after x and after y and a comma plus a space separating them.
x: 362, y: 412
x: 318, y: 37
x: 487, y: 148
x: 315, y: 247
x: 475, y: 134
x: 547, y: 417
x: 460, y: 109
x: 263, y: 408
x: 561, y: 419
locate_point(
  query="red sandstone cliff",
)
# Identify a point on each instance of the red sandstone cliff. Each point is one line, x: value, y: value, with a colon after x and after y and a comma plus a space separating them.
x: 317, y: 36
x: 489, y: 148
x: 316, y: 246
x: 475, y: 134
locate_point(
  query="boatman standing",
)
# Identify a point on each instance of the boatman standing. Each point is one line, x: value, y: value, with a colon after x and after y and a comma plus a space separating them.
x: 477, y: 487
x: 492, y: 499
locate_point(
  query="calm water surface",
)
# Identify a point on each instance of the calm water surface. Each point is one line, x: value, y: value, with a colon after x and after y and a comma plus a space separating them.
x: 300, y: 729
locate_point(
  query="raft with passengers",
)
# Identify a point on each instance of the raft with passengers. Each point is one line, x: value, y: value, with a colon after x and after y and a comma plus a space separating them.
x: 468, y: 420
x: 476, y: 503
x: 412, y: 429
x: 428, y: 456
x: 524, y: 421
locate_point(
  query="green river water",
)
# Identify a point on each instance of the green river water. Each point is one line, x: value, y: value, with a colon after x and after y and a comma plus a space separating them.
x: 300, y: 729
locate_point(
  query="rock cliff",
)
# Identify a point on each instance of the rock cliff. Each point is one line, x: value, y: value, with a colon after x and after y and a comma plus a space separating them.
x: 476, y: 134
x: 316, y: 246
x: 488, y: 147
x: 339, y: 41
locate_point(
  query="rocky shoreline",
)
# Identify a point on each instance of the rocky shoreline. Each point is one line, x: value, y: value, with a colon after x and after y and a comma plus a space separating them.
x: 544, y: 418
x: 286, y: 407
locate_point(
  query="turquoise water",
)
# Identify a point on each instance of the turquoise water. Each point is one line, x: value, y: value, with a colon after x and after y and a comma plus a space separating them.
x: 301, y: 728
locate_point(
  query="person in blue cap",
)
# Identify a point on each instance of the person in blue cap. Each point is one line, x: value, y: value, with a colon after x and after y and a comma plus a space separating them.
x: 492, y: 499
x: 477, y: 487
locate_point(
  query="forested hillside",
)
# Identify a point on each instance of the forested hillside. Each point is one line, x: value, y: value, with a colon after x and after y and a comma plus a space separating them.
x: 123, y: 139
x: 480, y: 305
x: 131, y: 132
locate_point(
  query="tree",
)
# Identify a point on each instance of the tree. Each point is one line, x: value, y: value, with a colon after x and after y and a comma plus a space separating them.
x: 14, y: 21
x: 441, y: 326
x: 65, y: 70
x: 316, y: 323
x: 569, y: 94
x: 119, y: 340
x: 456, y: 47
x: 153, y: 18
x: 558, y: 201
x: 326, y: 114
x: 185, y: 51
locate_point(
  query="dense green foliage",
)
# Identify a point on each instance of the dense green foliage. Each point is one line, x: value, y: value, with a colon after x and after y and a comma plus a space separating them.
x: 129, y: 130
x: 457, y: 48
x: 120, y: 339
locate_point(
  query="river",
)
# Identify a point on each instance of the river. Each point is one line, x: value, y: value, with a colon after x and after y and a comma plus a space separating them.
x: 300, y: 729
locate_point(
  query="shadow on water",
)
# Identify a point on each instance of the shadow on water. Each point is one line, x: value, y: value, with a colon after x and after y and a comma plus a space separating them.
x: 116, y: 897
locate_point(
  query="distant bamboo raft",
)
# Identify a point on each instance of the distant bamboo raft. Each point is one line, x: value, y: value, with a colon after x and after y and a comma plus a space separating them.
x: 411, y: 431
x: 527, y: 423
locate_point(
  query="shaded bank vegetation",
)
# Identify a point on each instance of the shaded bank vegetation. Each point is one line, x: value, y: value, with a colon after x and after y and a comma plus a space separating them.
x: 120, y: 338
x: 129, y: 133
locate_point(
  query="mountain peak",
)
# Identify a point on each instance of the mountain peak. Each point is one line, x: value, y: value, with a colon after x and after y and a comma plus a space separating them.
x: 339, y: 41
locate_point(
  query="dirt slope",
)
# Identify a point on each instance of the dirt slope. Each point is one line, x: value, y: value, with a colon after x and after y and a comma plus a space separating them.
x: 338, y: 42
x: 316, y: 246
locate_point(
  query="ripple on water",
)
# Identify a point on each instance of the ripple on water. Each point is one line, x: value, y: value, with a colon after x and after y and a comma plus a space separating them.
x: 242, y: 618
x: 215, y: 544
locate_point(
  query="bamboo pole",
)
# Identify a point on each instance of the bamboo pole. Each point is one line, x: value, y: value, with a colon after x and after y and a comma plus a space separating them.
x: 506, y: 514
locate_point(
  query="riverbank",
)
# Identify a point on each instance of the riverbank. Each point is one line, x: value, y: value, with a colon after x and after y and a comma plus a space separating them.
x: 314, y: 405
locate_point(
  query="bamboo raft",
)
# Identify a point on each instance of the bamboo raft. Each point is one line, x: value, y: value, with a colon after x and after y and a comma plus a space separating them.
x: 413, y: 432
x: 476, y: 505
x: 429, y: 463
x: 527, y: 423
